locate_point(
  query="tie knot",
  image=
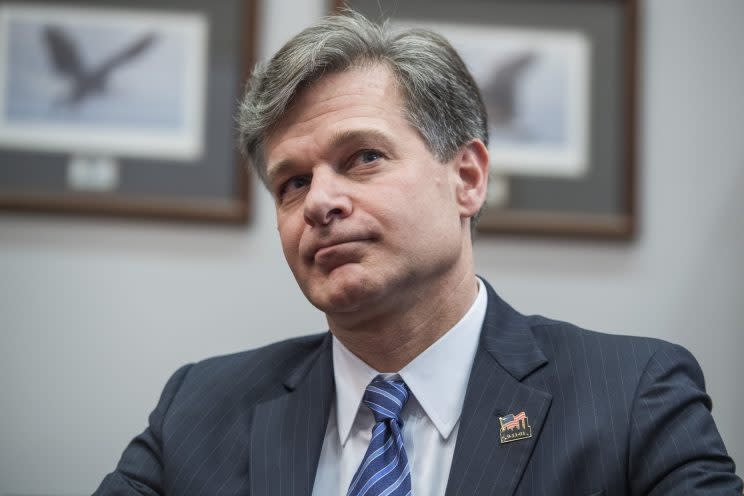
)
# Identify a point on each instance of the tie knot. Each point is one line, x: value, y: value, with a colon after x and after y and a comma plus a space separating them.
x: 386, y: 398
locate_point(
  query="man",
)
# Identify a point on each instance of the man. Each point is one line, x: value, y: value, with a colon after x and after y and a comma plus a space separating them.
x: 373, y: 146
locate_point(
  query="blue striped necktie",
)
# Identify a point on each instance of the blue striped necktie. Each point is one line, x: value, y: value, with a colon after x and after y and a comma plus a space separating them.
x: 384, y: 470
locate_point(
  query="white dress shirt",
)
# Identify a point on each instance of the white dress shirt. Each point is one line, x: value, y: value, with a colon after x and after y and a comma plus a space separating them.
x: 437, y: 378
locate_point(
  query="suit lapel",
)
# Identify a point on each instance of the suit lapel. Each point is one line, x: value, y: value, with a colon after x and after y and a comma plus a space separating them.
x: 507, y: 353
x: 287, y: 430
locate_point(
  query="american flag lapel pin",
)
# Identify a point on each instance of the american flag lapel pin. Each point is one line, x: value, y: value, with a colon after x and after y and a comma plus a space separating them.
x: 514, y: 427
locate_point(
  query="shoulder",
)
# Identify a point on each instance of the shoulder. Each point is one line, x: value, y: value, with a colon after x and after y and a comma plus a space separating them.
x: 562, y: 335
x: 568, y: 352
x: 612, y: 353
x: 294, y: 349
x: 250, y: 374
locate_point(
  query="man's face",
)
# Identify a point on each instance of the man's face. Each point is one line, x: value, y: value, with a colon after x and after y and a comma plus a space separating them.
x: 366, y: 214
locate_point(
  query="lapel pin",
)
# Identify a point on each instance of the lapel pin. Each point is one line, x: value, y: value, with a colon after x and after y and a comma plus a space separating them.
x: 514, y: 427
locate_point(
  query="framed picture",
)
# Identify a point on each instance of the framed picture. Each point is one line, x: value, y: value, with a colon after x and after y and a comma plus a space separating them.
x: 124, y: 107
x: 558, y: 81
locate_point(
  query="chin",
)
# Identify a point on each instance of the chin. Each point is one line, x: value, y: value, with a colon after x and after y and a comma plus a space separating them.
x: 345, y: 289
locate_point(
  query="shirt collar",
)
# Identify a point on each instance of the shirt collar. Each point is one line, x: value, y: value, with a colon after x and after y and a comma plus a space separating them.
x: 443, y: 366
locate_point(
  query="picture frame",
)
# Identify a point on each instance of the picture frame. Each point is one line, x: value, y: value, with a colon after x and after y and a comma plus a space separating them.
x: 559, y: 83
x: 125, y: 107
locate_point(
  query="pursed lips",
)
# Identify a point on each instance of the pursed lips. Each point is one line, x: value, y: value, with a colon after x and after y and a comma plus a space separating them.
x: 327, y: 248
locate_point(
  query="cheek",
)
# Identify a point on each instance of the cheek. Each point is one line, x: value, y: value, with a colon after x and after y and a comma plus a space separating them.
x: 286, y: 247
x: 432, y: 199
x: 289, y: 234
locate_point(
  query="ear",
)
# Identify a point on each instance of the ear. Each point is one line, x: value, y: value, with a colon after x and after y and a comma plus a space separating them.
x: 471, y: 169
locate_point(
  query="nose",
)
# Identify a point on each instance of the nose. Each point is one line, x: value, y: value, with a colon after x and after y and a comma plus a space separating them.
x: 327, y: 199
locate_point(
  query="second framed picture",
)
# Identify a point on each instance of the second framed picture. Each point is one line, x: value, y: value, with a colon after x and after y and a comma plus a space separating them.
x: 558, y: 81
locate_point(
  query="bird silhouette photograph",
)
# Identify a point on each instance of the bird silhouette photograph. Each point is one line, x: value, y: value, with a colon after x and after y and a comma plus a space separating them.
x: 535, y: 85
x: 122, y: 80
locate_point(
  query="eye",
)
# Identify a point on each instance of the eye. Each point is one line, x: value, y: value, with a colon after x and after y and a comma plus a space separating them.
x: 292, y: 185
x: 367, y: 156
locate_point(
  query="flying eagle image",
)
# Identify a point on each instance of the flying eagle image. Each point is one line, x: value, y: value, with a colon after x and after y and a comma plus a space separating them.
x: 87, y: 81
x: 499, y: 92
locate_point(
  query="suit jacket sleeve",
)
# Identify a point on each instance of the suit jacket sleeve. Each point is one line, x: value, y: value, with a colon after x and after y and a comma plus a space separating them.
x: 140, y: 470
x: 675, y: 447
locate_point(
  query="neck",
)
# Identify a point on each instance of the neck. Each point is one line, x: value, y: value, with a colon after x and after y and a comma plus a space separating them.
x: 390, y: 339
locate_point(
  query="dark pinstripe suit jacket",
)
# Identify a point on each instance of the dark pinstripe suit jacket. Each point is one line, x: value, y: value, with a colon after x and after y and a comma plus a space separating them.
x: 610, y: 415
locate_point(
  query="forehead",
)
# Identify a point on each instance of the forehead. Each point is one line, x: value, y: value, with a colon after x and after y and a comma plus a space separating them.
x: 361, y: 97
x: 373, y: 83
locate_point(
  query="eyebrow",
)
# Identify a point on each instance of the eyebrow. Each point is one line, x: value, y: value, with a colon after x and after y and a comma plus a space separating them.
x: 277, y: 170
x: 365, y: 137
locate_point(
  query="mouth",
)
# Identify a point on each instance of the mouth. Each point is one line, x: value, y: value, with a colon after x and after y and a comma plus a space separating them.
x: 332, y: 255
x: 337, y: 244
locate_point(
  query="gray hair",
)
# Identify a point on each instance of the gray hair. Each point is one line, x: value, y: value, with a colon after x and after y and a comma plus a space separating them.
x: 441, y: 99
